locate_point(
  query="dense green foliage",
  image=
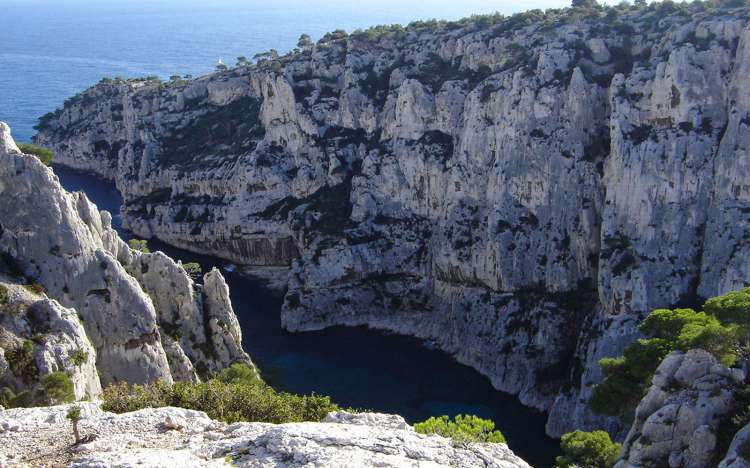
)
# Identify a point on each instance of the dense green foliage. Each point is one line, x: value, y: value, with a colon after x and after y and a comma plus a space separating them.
x: 234, y: 395
x: 239, y: 374
x: 733, y: 307
x: 721, y: 329
x: 3, y: 295
x: 139, y: 245
x: 79, y: 356
x: 45, y: 155
x: 74, y: 414
x: 193, y: 269
x: 587, y: 450
x: 464, y: 429
x: 21, y: 361
x: 304, y: 41
x: 58, y: 388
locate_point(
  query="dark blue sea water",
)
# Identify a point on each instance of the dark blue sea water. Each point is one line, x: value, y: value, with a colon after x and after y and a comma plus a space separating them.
x: 52, y: 49
x: 357, y: 367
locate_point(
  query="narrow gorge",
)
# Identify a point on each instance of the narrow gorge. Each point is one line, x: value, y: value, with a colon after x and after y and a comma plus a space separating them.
x: 85, y: 320
x: 521, y: 191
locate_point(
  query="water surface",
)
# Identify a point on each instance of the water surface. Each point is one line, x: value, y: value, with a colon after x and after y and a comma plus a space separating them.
x: 53, y: 49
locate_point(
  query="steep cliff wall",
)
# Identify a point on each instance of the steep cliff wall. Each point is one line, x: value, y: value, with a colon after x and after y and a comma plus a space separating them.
x: 138, y: 317
x: 519, y: 190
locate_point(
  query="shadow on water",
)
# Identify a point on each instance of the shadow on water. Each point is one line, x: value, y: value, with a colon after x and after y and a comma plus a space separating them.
x: 356, y: 366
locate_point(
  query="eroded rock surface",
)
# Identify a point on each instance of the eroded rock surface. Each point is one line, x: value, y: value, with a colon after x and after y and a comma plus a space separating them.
x: 738, y: 455
x: 57, y: 337
x: 174, y: 437
x: 96, y: 294
x: 677, y: 422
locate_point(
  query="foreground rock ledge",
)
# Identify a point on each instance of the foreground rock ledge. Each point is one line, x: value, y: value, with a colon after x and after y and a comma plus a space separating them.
x: 166, y: 437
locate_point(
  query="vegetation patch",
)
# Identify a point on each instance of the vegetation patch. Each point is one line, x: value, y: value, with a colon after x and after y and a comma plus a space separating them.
x: 193, y: 269
x: 462, y: 429
x: 436, y: 70
x: 45, y: 155
x: 235, y: 394
x: 639, y: 134
x: 436, y: 145
x: 21, y: 361
x: 140, y: 245
x: 588, y: 450
x: 79, y: 357
x: 58, y: 388
x: 225, y: 132
x: 4, y: 294
x: 721, y: 329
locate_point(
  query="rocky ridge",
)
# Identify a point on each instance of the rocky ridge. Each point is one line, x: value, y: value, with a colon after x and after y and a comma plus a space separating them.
x: 86, y: 304
x: 521, y: 191
x: 175, y: 437
x: 677, y: 422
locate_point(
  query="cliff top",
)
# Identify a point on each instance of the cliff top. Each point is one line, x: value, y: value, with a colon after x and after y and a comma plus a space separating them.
x: 176, y: 437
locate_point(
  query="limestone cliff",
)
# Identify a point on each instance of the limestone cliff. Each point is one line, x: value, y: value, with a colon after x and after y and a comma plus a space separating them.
x: 125, y: 315
x: 519, y: 190
x: 677, y: 422
x: 174, y: 437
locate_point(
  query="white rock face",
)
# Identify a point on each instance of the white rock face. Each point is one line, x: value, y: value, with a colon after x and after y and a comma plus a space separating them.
x: 521, y: 195
x: 676, y: 422
x: 738, y: 455
x: 174, y: 437
x: 58, y: 338
x: 62, y: 242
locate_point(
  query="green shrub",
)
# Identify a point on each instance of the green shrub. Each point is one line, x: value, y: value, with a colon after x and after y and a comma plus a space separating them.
x: 720, y: 340
x: 193, y: 269
x: 463, y: 429
x: 139, y: 245
x: 74, y: 416
x: 79, y: 356
x: 58, y: 388
x: 7, y: 397
x: 4, y: 295
x: 21, y: 361
x: 230, y: 402
x: 733, y: 307
x: 45, y: 155
x: 587, y: 450
x: 626, y: 378
x: 239, y: 373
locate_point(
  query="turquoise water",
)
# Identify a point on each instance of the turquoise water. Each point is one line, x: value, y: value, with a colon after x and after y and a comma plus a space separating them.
x: 357, y: 367
x: 52, y: 49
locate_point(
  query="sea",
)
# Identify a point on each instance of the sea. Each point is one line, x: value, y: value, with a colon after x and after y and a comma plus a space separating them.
x: 52, y: 49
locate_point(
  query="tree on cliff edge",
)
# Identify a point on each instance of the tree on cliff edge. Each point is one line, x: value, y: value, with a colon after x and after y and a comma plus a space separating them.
x: 584, y: 4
